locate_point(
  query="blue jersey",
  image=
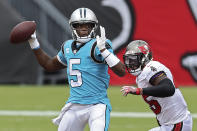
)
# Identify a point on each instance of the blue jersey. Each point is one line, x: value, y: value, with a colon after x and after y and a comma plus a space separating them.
x: 87, y: 72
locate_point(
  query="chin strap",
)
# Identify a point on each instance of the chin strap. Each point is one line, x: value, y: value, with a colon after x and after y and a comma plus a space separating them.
x: 83, y: 40
x: 137, y: 72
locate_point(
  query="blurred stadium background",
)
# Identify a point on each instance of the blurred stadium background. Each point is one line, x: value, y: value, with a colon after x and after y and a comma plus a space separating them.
x: 169, y: 26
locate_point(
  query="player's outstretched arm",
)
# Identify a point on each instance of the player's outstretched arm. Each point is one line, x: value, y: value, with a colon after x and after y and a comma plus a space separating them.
x: 48, y: 63
x: 114, y: 63
x: 164, y: 88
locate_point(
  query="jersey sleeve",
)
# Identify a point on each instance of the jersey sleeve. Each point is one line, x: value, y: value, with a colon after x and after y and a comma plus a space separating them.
x: 109, y: 46
x: 154, y: 70
x: 61, y: 57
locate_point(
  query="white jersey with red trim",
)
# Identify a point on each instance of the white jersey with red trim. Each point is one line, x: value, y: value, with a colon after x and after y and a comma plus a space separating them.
x: 169, y: 110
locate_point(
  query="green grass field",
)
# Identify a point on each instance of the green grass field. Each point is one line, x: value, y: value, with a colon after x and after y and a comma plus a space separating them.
x: 52, y: 98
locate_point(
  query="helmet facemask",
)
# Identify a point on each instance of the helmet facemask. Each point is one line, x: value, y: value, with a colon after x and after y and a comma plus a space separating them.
x: 91, y: 31
x: 134, y: 63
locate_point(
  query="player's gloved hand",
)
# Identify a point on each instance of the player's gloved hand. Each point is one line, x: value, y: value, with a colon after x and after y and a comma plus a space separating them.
x: 132, y: 90
x: 33, y: 42
x: 101, y: 40
x: 109, y: 57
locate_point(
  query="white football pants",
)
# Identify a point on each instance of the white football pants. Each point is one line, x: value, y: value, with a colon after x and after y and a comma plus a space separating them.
x: 185, y: 125
x: 77, y: 116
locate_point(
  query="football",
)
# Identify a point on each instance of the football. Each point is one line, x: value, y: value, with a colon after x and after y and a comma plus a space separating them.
x: 22, y: 32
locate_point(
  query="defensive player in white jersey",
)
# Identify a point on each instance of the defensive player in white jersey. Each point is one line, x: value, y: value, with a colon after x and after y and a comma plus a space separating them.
x: 86, y: 58
x: 155, y: 84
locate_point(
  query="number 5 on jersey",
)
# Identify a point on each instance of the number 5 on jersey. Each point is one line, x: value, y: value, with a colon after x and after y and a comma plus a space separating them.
x: 73, y: 72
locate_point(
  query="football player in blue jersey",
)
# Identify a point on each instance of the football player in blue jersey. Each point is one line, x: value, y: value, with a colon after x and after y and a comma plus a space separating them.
x: 86, y: 58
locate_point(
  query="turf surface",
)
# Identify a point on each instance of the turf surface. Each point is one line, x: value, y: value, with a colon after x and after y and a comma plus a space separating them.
x: 44, y: 98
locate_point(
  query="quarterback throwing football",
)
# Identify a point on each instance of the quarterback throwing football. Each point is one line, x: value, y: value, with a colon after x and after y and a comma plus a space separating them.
x: 155, y: 84
x: 86, y: 58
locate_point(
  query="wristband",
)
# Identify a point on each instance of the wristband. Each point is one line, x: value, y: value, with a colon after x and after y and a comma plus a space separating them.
x: 105, y: 53
x: 110, y: 58
x: 139, y: 91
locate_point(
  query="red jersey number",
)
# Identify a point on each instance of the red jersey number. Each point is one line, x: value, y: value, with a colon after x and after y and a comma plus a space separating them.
x: 154, y: 105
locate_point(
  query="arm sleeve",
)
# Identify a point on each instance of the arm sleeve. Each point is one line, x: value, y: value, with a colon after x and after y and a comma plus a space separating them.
x: 165, y: 88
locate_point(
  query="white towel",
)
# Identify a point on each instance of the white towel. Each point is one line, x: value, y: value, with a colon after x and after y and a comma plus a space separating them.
x: 58, y: 119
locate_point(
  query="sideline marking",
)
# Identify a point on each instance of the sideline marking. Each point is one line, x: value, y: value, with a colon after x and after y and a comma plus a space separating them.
x: 56, y: 113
